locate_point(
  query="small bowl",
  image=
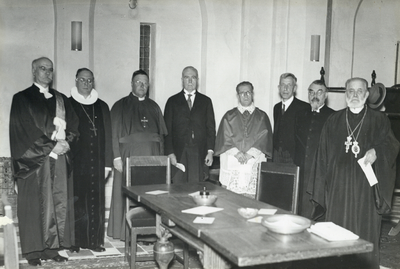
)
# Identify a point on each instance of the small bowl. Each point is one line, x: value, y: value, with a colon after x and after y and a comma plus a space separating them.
x: 204, y: 199
x: 248, y: 212
x: 286, y: 223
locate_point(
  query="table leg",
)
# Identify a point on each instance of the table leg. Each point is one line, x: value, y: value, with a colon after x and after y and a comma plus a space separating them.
x: 213, y: 260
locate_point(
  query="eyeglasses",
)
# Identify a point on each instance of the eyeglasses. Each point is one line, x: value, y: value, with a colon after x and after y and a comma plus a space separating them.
x: 244, y: 94
x: 44, y: 69
x: 83, y: 80
x: 318, y: 93
x: 142, y: 82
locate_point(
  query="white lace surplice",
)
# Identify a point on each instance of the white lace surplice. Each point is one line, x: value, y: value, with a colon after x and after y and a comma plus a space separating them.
x: 240, y: 178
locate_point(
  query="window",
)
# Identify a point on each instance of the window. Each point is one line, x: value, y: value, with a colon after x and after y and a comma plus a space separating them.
x: 147, y: 53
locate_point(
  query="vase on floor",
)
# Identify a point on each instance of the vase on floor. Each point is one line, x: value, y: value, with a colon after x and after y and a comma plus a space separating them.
x: 163, y: 250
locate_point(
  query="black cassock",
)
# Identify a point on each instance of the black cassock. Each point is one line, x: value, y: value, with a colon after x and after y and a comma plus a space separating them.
x: 340, y: 187
x: 91, y: 154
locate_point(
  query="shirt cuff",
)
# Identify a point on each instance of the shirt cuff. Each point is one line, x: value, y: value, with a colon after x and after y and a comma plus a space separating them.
x: 118, y: 158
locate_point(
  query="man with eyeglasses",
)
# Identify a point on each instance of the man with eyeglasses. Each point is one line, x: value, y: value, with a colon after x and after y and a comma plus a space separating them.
x: 43, y: 124
x: 92, y: 160
x: 284, y: 116
x: 308, y: 127
x: 138, y: 129
x: 244, y: 139
x: 189, y: 116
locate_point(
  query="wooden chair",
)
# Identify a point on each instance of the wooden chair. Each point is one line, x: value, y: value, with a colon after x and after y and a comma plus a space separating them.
x: 278, y: 185
x: 143, y: 170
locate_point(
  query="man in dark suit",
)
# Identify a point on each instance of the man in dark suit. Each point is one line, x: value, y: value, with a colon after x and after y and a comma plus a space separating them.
x: 284, y: 117
x: 189, y: 116
x: 308, y: 127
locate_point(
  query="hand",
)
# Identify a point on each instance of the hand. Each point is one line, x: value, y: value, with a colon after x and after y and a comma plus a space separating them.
x: 118, y: 165
x: 209, y: 159
x: 241, y: 157
x: 247, y: 156
x: 61, y: 147
x: 370, y: 156
x: 172, y: 157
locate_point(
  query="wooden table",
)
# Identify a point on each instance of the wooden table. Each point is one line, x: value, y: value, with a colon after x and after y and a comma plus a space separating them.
x: 231, y: 237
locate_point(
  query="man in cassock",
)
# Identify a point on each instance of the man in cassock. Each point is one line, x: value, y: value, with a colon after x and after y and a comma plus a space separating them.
x: 138, y: 129
x: 92, y: 159
x: 42, y: 125
x: 189, y: 116
x: 308, y: 127
x: 285, y: 113
x: 340, y: 189
x: 244, y: 139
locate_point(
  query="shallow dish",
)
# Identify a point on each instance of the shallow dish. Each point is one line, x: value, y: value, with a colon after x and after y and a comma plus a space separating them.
x: 204, y: 199
x: 286, y: 223
x: 247, y: 212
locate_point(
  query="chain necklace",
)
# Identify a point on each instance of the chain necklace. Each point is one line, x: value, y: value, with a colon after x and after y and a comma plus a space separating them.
x: 355, y: 148
x: 90, y: 120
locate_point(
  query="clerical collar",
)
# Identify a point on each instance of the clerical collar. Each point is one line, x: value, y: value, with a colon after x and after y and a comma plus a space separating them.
x: 356, y: 110
x: 140, y: 98
x: 91, y: 99
x: 249, y: 108
x: 318, y: 109
x: 288, y: 102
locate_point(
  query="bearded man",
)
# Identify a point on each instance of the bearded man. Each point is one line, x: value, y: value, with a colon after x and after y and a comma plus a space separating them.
x: 355, y: 136
x: 308, y: 127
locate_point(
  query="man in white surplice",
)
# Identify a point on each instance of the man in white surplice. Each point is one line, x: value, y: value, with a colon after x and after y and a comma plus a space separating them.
x: 244, y: 140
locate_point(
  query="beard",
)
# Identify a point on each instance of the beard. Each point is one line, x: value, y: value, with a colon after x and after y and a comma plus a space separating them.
x: 359, y: 102
x: 315, y: 103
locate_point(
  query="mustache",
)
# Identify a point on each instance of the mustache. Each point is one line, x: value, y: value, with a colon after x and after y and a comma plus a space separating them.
x: 315, y: 99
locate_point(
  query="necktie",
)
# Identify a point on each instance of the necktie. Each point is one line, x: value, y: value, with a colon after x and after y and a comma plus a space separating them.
x: 189, y: 101
x: 246, y: 113
x: 283, y: 109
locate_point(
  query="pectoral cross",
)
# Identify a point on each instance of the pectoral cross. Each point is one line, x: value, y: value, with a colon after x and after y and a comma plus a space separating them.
x: 348, y: 143
x: 94, y: 129
x: 144, y: 122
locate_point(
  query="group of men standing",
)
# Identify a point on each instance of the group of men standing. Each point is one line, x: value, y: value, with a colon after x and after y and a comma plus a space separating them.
x: 63, y: 150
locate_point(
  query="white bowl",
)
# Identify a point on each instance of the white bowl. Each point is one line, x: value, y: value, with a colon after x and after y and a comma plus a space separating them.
x: 286, y: 223
x: 247, y: 212
x: 204, y: 199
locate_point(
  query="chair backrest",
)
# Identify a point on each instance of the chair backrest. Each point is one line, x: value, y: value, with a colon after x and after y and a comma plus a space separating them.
x: 278, y: 185
x: 147, y: 170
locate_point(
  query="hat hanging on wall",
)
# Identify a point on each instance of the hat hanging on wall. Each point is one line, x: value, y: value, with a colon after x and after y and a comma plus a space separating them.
x: 377, y: 94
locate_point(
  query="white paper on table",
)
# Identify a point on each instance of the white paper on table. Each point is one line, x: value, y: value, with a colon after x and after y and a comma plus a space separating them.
x: 332, y: 232
x: 202, y: 210
x: 156, y: 192
x: 180, y: 167
x: 257, y: 219
x: 368, y: 171
x: 267, y: 211
x: 204, y: 220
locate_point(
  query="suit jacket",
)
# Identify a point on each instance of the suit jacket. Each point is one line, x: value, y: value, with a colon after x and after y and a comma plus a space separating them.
x: 189, y: 127
x: 308, y: 127
x: 283, y: 137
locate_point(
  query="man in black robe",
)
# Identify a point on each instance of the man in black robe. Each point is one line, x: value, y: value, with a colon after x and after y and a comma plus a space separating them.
x: 138, y: 129
x: 340, y: 189
x: 189, y: 116
x: 284, y: 117
x: 42, y: 125
x: 243, y: 141
x: 308, y: 126
x: 92, y: 156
